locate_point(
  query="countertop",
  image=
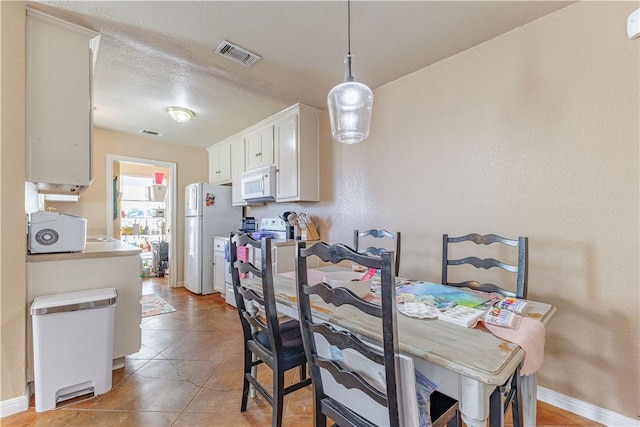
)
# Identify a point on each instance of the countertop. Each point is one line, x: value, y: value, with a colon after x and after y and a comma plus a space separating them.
x: 277, y: 242
x: 290, y: 242
x: 96, y: 247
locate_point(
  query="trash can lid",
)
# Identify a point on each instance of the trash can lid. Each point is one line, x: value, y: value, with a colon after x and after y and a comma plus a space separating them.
x: 73, y: 301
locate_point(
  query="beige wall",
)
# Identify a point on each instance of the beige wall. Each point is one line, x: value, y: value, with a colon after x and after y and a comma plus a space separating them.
x: 533, y: 133
x: 13, y: 290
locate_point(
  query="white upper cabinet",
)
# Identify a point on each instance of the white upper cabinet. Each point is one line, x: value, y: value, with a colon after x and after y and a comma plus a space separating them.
x: 288, y: 139
x: 220, y: 164
x: 259, y: 145
x: 287, y: 183
x: 297, y: 154
x: 60, y: 61
x: 237, y: 168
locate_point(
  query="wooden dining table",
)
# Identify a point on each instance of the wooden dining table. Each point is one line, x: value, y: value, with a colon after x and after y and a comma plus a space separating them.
x: 467, y: 364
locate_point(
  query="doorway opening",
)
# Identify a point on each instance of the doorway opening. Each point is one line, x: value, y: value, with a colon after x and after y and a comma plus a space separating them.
x: 141, y: 197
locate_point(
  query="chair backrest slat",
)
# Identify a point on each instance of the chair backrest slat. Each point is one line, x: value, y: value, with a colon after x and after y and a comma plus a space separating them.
x: 520, y: 268
x: 351, y: 379
x: 373, y: 250
x: 340, y: 296
x: 344, y: 340
x: 485, y: 263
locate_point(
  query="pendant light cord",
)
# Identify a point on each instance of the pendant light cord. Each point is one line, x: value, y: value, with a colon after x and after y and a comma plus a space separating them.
x: 349, y: 75
x: 349, y: 27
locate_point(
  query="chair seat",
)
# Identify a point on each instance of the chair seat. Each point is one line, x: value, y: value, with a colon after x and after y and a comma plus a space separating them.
x: 293, y: 349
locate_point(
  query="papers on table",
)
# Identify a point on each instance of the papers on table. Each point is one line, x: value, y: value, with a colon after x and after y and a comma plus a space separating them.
x: 441, y: 296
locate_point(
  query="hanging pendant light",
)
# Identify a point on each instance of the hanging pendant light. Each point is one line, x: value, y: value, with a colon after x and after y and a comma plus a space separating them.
x: 350, y: 103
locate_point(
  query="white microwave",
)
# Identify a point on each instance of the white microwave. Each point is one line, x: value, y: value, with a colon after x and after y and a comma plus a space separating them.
x: 259, y: 185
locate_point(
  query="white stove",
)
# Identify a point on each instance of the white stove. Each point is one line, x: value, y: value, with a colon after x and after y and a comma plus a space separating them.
x: 278, y: 226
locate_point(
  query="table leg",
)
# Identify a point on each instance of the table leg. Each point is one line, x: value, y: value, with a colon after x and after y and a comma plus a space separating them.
x: 529, y: 387
x: 474, y: 402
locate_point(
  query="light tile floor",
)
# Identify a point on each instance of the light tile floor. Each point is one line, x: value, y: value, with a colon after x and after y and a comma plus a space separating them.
x: 188, y: 373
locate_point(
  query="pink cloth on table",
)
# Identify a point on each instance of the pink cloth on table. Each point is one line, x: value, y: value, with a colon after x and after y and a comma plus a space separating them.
x: 530, y: 336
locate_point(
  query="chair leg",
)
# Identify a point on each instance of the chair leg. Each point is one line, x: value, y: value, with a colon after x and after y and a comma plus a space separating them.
x: 319, y: 419
x: 496, y: 413
x: 245, y: 382
x: 516, y: 405
x: 303, y: 372
x: 278, y: 396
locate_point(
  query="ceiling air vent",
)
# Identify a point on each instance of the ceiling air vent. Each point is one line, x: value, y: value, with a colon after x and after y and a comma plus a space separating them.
x: 151, y: 132
x: 236, y: 53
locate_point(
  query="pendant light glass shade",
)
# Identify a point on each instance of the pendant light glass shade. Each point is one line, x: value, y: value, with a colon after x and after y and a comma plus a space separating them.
x: 350, y: 104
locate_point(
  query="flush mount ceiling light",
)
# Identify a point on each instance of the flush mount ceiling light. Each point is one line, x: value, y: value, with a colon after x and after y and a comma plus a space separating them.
x: 180, y: 114
x: 350, y: 103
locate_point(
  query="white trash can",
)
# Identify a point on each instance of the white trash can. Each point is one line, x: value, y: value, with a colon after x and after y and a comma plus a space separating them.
x: 72, y: 345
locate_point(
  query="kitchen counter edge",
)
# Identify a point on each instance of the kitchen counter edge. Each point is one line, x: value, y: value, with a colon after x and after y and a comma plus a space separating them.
x: 92, y: 250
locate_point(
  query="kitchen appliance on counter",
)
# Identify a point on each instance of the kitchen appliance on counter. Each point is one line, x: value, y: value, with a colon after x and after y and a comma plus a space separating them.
x: 208, y: 213
x: 51, y: 232
x: 279, y: 227
x: 248, y: 224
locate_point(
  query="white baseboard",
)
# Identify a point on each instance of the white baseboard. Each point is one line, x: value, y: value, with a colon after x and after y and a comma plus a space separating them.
x: 15, y: 405
x: 586, y: 410
x: 578, y: 407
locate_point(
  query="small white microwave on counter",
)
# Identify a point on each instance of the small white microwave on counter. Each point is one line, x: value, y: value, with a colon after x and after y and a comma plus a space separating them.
x: 51, y: 232
x: 259, y: 185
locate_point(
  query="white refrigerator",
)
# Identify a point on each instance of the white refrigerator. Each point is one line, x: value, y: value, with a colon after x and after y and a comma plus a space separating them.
x: 208, y: 213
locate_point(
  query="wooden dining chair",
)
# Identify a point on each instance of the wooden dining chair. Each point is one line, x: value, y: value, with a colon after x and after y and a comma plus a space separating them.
x: 509, y: 393
x: 356, y: 383
x: 267, y: 340
x: 360, y: 236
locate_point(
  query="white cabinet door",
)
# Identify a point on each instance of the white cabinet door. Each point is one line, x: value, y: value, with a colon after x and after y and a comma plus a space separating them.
x: 297, y: 154
x: 286, y: 138
x: 59, y: 103
x: 237, y: 168
x: 220, y: 164
x: 219, y: 264
x: 214, y: 163
x: 260, y: 147
x: 225, y: 163
x: 283, y: 258
x: 218, y: 272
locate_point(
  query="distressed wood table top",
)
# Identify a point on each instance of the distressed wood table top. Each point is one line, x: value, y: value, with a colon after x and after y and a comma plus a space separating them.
x: 472, y: 352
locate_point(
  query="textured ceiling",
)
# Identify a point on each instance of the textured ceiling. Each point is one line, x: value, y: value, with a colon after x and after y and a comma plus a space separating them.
x: 156, y: 54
